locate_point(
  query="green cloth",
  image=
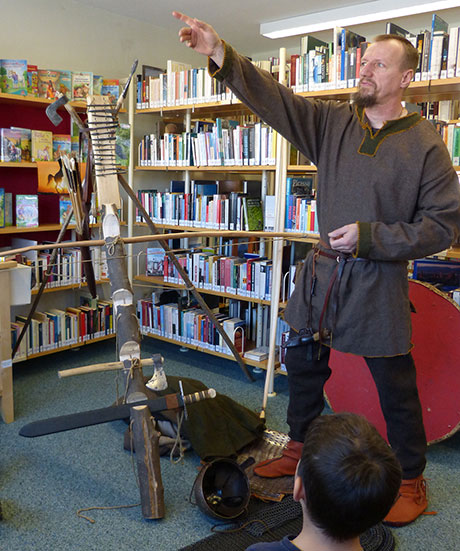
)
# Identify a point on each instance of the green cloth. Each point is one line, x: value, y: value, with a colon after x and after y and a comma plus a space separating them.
x: 218, y: 427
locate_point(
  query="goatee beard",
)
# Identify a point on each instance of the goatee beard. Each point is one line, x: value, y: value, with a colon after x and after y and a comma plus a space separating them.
x: 362, y: 100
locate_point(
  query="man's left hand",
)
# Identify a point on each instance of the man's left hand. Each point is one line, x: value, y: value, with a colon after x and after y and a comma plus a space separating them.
x: 344, y: 239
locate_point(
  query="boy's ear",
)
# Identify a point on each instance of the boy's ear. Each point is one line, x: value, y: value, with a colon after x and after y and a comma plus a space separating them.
x: 299, y: 491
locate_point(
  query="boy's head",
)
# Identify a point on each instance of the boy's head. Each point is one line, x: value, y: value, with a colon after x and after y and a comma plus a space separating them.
x: 350, y: 475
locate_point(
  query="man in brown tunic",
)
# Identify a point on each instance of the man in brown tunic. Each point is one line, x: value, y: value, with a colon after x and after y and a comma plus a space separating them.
x: 386, y: 193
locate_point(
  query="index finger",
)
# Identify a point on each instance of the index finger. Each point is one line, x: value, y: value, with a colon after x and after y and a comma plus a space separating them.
x: 182, y: 17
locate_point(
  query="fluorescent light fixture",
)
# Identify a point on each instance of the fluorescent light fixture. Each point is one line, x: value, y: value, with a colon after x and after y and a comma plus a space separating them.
x: 346, y: 16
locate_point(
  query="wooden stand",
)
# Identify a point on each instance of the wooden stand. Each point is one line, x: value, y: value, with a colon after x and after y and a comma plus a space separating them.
x: 6, y: 363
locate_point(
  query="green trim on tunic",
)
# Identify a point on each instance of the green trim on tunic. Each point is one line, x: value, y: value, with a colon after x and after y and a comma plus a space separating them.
x: 372, y: 141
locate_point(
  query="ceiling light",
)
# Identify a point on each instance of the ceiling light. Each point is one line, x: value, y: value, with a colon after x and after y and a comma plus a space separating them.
x: 346, y: 16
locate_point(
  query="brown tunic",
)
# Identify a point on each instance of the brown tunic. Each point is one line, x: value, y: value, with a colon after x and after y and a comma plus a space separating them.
x: 398, y: 183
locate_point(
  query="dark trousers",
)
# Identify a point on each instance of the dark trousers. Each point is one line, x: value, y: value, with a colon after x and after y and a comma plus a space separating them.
x: 395, y: 379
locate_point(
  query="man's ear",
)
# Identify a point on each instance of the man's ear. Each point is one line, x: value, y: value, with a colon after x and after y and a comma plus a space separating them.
x: 299, y: 490
x: 406, y: 78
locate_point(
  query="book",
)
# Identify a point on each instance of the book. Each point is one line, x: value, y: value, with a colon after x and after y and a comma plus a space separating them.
x: 254, y: 218
x: 122, y: 142
x: 26, y: 211
x: 32, y: 80
x: 8, y: 209
x: 82, y: 85
x: 47, y: 83
x: 97, y: 85
x: 50, y: 178
x: 61, y: 145
x: 10, y: 146
x: 13, y: 76
x: 2, y: 208
x: 25, y: 144
x: 111, y: 88
x: 258, y: 354
x: 64, y: 83
x: 442, y: 273
x: 392, y: 28
x: 65, y: 204
x: 269, y: 213
x: 42, y: 145
x: 155, y: 261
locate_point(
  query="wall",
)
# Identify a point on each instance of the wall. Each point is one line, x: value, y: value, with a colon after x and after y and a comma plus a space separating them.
x: 63, y: 35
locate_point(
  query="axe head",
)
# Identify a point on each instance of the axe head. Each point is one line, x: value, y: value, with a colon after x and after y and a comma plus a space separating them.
x: 51, y: 110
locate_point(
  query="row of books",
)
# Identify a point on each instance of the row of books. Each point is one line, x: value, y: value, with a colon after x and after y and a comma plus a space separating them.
x: 67, y: 268
x: 248, y: 276
x: 20, y: 78
x: 192, y: 326
x: 25, y: 145
x: 180, y: 84
x: 319, y: 65
x: 227, y: 144
x: 55, y: 328
x: 233, y: 211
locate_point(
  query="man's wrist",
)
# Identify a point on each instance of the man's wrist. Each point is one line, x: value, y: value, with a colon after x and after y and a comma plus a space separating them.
x: 218, y: 54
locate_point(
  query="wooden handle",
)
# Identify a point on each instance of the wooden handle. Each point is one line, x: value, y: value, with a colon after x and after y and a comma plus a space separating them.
x: 109, y: 366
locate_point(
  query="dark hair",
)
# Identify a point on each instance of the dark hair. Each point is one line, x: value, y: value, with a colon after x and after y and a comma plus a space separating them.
x: 411, y: 55
x: 350, y: 475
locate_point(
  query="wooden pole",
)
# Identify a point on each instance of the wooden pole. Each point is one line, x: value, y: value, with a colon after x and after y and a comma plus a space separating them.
x: 165, y: 237
x: 146, y: 445
x: 6, y: 363
x: 109, y: 366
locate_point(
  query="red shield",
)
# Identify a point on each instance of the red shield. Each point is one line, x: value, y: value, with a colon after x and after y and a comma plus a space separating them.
x: 436, y: 352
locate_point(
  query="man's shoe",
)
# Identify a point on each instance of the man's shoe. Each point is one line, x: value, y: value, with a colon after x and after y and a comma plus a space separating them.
x: 410, y: 504
x: 281, y: 466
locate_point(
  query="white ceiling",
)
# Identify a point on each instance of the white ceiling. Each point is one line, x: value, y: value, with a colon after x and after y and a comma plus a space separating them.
x: 239, y: 20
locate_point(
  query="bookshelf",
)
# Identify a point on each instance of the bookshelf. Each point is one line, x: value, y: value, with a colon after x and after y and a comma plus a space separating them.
x: 22, y: 177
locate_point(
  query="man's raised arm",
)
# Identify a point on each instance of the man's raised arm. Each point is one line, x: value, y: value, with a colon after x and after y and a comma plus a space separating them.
x: 201, y: 37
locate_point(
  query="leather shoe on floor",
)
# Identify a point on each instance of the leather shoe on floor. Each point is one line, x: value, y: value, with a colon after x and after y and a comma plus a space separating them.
x: 281, y: 466
x: 410, y: 504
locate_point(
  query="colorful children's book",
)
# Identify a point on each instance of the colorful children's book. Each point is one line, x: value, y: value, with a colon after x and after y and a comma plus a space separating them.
x: 26, y: 146
x: 65, y: 205
x: 42, y: 145
x: 82, y: 85
x: 32, y: 80
x: 111, y: 88
x: 61, y: 145
x: 10, y: 146
x: 64, y: 83
x: 13, y: 76
x: 50, y: 178
x: 97, y: 85
x: 48, y: 82
x: 122, y: 145
x: 26, y: 211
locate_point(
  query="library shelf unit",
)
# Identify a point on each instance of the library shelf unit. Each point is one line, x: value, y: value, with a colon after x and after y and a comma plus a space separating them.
x: 21, y: 177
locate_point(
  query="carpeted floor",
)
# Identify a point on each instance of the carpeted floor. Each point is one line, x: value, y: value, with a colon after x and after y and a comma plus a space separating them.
x: 44, y: 481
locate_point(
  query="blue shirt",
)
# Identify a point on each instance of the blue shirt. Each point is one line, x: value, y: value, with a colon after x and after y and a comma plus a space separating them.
x: 283, y: 545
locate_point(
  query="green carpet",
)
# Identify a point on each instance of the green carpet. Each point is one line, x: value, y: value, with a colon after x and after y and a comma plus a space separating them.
x: 44, y: 481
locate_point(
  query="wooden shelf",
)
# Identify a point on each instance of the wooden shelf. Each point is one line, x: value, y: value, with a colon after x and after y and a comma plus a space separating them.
x: 18, y: 165
x: 153, y: 280
x: 41, y: 228
x: 68, y: 287
x: 241, y: 169
x: 425, y: 90
x: 39, y: 102
x: 247, y: 361
x: 62, y: 348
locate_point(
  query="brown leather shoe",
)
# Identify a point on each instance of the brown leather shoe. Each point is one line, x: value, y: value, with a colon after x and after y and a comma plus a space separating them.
x: 410, y: 504
x: 281, y: 466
